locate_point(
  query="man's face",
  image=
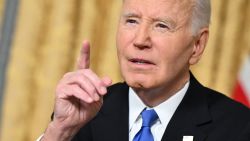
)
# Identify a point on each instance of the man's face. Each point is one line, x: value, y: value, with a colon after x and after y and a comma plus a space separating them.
x: 154, y: 42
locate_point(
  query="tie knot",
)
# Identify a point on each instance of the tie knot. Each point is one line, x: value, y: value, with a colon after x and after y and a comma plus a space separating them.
x: 148, y: 117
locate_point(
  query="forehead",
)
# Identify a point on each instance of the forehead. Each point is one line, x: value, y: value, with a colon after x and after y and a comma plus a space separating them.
x: 177, y: 8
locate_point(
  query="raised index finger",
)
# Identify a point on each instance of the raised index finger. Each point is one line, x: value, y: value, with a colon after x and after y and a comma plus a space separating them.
x: 83, y: 60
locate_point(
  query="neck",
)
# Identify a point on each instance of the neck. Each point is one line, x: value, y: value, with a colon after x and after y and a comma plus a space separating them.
x: 154, y: 97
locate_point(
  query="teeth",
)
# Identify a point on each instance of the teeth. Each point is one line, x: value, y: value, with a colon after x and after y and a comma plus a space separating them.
x: 140, y: 62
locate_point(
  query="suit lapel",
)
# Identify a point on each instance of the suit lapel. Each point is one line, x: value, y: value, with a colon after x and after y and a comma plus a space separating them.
x: 111, y: 124
x: 191, y: 115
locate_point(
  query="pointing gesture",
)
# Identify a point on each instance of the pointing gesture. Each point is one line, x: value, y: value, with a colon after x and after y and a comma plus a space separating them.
x: 78, y: 99
x: 83, y: 60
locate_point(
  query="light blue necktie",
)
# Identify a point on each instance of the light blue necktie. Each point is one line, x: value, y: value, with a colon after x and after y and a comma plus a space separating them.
x: 148, y: 118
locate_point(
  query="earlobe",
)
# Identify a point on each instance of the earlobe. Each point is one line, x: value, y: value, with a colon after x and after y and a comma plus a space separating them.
x: 199, y: 46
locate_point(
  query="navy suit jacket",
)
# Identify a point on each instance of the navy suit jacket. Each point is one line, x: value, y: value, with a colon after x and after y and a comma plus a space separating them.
x: 203, y: 113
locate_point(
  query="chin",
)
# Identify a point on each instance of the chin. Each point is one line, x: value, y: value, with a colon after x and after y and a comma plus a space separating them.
x: 137, y: 85
x: 140, y: 82
x: 140, y: 79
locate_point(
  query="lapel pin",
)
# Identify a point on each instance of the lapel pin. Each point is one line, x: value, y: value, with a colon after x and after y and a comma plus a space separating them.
x: 188, y: 138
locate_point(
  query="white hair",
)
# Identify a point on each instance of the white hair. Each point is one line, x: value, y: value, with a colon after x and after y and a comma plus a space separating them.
x: 200, y: 15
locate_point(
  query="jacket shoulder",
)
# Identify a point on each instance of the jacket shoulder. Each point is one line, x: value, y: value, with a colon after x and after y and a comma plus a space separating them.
x: 222, y: 104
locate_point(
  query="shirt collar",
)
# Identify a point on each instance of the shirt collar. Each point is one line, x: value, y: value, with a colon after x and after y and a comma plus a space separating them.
x: 136, y: 106
x: 164, y: 110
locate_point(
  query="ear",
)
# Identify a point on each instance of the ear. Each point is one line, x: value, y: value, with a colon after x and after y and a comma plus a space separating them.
x: 199, y: 45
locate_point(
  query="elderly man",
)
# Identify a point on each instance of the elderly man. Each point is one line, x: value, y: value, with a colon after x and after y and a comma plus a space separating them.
x: 157, y: 41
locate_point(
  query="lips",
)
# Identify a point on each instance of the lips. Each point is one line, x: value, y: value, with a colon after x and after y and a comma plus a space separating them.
x: 141, y: 61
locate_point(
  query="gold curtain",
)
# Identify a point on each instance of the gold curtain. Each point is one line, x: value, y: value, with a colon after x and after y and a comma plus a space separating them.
x: 47, y: 40
x: 49, y: 34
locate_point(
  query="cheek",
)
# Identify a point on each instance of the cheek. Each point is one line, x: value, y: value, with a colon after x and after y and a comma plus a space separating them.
x: 165, y: 51
x: 119, y: 43
x: 173, y: 55
x: 124, y: 42
x: 125, y: 36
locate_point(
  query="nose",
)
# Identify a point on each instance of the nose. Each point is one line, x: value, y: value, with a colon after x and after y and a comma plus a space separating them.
x: 142, y: 38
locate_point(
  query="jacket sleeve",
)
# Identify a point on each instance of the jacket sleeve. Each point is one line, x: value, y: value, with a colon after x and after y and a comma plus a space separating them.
x: 84, y: 134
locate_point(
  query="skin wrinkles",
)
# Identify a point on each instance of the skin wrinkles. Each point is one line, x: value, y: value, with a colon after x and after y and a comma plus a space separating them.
x: 185, y: 6
x: 172, y: 51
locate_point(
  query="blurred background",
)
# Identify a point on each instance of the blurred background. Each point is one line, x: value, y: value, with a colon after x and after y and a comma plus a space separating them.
x: 40, y: 41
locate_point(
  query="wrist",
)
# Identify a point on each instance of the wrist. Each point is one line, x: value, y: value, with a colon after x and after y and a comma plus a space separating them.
x: 56, y: 132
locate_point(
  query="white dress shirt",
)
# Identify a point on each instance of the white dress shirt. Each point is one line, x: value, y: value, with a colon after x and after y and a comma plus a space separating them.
x: 164, y: 111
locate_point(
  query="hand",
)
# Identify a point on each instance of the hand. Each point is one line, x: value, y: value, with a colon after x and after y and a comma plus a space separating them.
x: 78, y: 97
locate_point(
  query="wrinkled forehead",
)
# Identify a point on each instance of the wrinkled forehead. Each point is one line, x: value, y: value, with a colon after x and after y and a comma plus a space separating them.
x: 157, y: 7
x: 180, y: 3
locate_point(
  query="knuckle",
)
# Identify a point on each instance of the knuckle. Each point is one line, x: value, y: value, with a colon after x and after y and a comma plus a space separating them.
x: 87, y: 71
x: 92, y: 90
x: 99, y: 83
x: 70, y: 75
x: 77, y: 90
x: 67, y: 74
x: 59, y: 89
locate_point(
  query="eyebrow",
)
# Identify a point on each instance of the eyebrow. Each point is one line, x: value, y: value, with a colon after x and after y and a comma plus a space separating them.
x: 166, y: 19
x: 130, y: 14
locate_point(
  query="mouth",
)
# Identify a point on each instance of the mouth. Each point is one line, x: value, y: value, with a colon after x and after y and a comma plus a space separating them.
x: 140, y: 61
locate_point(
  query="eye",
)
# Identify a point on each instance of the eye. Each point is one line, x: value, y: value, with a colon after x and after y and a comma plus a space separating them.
x: 161, y: 25
x: 131, y: 21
